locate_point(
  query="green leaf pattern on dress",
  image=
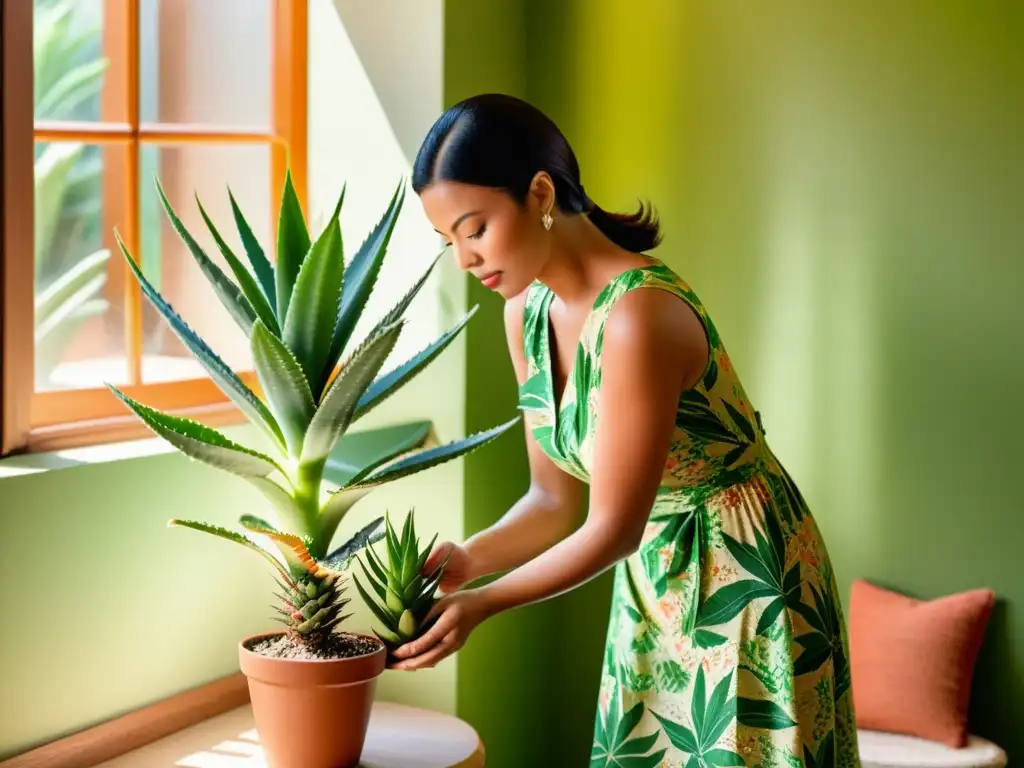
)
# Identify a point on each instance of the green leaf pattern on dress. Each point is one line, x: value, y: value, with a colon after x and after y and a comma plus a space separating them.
x: 726, y: 643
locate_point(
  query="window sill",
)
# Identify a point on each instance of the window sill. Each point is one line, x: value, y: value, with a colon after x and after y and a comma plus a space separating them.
x: 103, y: 441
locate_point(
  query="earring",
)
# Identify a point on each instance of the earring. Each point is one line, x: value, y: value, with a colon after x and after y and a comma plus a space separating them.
x: 547, y: 221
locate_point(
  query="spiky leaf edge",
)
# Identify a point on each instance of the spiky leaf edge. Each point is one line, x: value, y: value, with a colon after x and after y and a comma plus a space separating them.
x: 225, y: 378
x: 200, y: 442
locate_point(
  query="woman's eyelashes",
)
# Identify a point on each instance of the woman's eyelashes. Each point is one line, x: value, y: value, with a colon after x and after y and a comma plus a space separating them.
x: 475, y: 236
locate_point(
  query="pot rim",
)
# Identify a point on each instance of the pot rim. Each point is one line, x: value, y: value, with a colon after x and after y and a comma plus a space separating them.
x: 248, y: 640
x: 348, y: 670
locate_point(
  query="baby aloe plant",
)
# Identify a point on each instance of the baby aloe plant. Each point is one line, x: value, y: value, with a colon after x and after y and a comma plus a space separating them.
x: 406, y: 593
x: 299, y: 315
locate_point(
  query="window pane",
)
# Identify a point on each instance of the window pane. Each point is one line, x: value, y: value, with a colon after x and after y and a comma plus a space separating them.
x: 79, y: 309
x: 205, y: 61
x: 79, y: 64
x: 206, y: 171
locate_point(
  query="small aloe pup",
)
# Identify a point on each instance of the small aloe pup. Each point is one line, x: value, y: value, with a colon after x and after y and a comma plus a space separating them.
x: 406, y: 593
x: 299, y: 315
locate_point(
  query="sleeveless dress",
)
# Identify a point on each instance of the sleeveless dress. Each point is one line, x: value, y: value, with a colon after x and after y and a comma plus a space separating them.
x: 726, y: 643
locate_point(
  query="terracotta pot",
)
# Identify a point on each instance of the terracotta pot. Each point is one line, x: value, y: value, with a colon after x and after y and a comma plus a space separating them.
x: 311, y: 714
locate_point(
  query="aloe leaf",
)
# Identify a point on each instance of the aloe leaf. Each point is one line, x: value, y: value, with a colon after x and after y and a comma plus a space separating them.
x: 314, y: 305
x: 293, y: 548
x: 392, y: 381
x: 250, y: 288
x: 362, y: 274
x: 238, y: 538
x: 383, y: 616
x: 432, y: 457
x: 409, y: 553
x: 364, y: 537
x: 373, y: 559
x: 359, y: 453
x: 398, y: 310
x: 427, y: 592
x: 226, y: 379
x: 335, y: 508
x: 199, y: 442
x: 292, y: 245
x: 341, y: 199
x: 425, y: 554
x: 394, y: 548
x: 387, y: 577
x: 229, y: 294
x: 290, y: 514
x: 261, y: 266
x: 336, y: 408
x: 377, y: 584
x: 283, y: 384
x: 254, y: 521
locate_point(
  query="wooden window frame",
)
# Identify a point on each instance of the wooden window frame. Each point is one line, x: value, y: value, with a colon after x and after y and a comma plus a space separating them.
x: 40, y: 421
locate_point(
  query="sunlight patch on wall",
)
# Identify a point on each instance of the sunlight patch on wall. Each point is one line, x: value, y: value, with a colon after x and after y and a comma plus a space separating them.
x: 352, y: 141
x: 786, y: 359
x: 818, y: 336
x: 849, y: 382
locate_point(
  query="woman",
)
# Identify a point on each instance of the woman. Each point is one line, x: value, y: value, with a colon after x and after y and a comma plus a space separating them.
x: 726, y: 644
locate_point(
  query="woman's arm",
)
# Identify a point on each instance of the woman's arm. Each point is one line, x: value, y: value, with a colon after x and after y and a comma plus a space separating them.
x: 550, y: 509
x: 654, y: 347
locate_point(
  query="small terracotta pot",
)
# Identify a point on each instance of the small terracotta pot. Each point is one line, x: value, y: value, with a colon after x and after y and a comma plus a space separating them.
x: 311, y: 714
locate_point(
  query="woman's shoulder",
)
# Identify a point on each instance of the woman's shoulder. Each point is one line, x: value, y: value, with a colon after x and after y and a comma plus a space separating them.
x: 650, y: 317
x: 630, y: 304
x: 655, y: 323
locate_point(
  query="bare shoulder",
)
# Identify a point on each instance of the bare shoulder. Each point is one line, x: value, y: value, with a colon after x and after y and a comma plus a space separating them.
x: 655, y: 326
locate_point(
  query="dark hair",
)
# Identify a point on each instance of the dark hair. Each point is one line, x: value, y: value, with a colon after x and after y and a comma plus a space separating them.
x: 499, y: 141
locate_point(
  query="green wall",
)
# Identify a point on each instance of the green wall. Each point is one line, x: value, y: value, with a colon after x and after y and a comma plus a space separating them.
x: 504, y: 672
x: 842, y: 184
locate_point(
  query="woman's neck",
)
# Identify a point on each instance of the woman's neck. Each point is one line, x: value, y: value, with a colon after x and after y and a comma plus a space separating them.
x: 582, y: 261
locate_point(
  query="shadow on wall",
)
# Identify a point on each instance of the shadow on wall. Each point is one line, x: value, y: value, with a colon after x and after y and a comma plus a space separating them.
x: 999, y: 669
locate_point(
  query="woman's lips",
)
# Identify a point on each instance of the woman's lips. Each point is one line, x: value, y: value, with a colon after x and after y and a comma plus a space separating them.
x: 491, y: 280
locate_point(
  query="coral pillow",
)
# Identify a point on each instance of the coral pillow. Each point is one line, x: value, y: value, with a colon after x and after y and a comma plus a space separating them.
x: 912, y: 661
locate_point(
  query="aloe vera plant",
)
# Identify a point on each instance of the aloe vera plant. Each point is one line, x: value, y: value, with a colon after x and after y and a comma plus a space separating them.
x: 299, y: 315
x: 405, y: 592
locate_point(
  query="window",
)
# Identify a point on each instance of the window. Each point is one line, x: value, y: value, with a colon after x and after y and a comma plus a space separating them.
x: 100, y: 97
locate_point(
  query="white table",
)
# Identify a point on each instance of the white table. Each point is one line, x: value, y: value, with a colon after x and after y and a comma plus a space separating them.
x: 893, y: 750
x: 398, y: 737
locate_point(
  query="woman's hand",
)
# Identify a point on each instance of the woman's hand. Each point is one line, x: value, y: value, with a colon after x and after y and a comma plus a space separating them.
x: 453, y: 617
x: 459, y: 570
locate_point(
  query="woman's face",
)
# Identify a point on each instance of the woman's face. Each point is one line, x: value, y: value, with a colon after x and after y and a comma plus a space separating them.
x: 502, y: 244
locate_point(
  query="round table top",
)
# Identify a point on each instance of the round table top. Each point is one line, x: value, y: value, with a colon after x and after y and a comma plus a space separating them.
x: 406, y: 737
x: 398, y: 736
x: 893, y: 750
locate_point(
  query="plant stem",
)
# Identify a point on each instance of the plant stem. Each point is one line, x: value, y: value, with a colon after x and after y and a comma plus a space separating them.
x: 308, y: 479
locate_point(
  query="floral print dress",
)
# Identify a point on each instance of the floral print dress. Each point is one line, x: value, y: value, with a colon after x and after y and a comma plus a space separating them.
x: 726, y: 643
